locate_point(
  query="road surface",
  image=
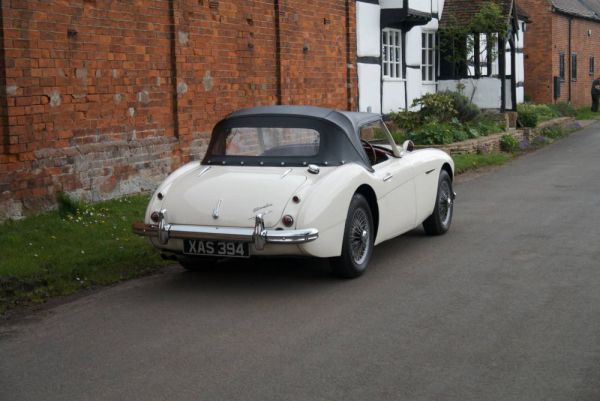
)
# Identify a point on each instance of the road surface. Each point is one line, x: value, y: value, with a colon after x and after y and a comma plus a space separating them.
x: 504, y: 307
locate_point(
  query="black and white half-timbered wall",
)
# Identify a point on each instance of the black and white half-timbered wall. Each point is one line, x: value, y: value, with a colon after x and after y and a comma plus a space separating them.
x: 491, y: 71
x: 397, y: 58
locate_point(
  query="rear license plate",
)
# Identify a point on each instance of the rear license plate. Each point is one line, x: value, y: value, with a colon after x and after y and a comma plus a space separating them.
x: 230, y: 249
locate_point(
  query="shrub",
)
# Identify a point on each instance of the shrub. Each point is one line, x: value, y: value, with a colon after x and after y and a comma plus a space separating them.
x: 529, y: 115
x: 563, y: 109
x: 407, y: 120
x: 526, y: 116
x: 440, y: 133
x: 465, y: 110
x: 508, y: 143
x: 438, y: 106
x: 68, y: 205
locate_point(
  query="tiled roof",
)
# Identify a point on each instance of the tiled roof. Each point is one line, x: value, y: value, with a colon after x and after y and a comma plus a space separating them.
x: 462, y: 11
x: 579, y: 8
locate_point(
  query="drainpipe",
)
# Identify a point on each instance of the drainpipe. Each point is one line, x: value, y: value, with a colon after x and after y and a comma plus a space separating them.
x: 570, y: 57
x: 278, y: 75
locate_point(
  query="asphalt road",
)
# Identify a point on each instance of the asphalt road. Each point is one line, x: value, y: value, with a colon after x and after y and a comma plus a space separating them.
x: 504, y: 307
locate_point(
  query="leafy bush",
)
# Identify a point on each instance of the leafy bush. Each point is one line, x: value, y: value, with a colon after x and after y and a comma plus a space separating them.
x: 529, y: 115
x: 68, y: 205
x: 465, y: 110
x: 407, y: 120
x: 526, y: 116
x: 508, y: 143
x: 438, y: 106
x: 434, y: 133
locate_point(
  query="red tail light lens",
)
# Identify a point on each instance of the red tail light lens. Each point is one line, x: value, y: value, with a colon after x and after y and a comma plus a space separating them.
x: 287, y: 220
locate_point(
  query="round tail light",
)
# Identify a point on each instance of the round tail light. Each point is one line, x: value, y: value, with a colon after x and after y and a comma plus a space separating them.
x: 287, y: 220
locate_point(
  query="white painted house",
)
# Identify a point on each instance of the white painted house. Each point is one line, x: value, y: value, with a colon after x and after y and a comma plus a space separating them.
x: 399, y: 60
x: 491, y: 83
x: 396, y: 51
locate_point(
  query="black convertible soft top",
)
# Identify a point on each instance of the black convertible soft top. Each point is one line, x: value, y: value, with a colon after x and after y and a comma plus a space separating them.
x: 338, y: 131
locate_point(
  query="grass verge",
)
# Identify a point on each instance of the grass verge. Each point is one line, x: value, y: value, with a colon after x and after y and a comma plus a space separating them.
x: 473, y: 161
x: 75, y: 247
x: 585, y: 113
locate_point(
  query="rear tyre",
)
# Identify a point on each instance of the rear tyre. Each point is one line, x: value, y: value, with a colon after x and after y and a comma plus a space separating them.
x: 441, y: 218
x: 359, y: 237
x: 197, y: 264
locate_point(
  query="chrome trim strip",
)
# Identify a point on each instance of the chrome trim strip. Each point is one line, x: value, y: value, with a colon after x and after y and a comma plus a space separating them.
x: 258, y: 234
x: 204, y: 170
x: 286, y: 173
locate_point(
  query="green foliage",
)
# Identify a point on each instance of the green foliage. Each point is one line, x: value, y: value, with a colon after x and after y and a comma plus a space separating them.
x: 526, y: 116
x: 563, y: 109
x: 442, y: 133
x: 472, y: 161
x: 465, y: 110
x: 585, y: 113
x: 553, y: 132
x: 508, y: 143
x: 529, y: 115
x: 456, y: 35
x: 406, y: 120
x: 443, y: 118
x: 434, y: 133
x: 438, y: 106
x: 68, y: 205
x: 58, y: 253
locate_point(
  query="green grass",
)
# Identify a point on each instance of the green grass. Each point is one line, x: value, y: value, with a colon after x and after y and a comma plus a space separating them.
x: 467, y: 162
x: 585, y: 113
x: 58, y: 253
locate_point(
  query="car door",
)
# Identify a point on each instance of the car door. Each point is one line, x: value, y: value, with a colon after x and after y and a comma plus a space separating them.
x: 394, y: 183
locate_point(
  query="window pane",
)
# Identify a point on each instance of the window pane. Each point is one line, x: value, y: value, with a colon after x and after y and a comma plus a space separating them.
x: 430, y: 42
x: 271, y: 141
x: 430, y: 78
x: 398, y: 71
x: 385, y: 37
x: 423, y: 73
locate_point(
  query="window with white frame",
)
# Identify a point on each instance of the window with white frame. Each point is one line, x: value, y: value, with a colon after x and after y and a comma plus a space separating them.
x: 391, y: 58
x: 428, y: 56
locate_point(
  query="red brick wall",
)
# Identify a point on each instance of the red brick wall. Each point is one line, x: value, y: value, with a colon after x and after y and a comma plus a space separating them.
x: 542, y: 54
x: 537, y: 50
x: 105, y: 98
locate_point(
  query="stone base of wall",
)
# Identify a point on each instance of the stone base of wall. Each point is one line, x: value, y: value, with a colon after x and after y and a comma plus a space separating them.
x: 491, y: 143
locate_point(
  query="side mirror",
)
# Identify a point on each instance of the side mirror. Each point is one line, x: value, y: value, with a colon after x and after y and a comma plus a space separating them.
x: 408, y: 146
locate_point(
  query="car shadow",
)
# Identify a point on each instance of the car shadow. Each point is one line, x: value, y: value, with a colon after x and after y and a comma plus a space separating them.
x: 282, y: 272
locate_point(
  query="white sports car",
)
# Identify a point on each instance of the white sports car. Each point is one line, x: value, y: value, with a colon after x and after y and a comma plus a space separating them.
x: 296, y: 180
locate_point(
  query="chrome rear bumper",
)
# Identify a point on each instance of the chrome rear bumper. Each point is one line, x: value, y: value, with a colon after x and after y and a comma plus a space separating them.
x: 258, y: 235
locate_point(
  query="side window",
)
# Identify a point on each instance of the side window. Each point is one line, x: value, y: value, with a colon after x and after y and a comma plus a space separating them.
x: 374, y: 132
x: 374, y: 137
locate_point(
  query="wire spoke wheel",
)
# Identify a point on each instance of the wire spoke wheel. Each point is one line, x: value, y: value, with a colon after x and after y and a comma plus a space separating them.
x: 445, y: 203
x: 441, y: 218
x: 359, y: 236
x: 358, y: 240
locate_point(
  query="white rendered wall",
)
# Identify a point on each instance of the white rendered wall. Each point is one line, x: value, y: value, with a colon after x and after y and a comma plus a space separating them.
x: 367, y: 30
x: 369, y: 87
x: 394, y: 3
x: 393, y: 96
x: 486, y: 92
